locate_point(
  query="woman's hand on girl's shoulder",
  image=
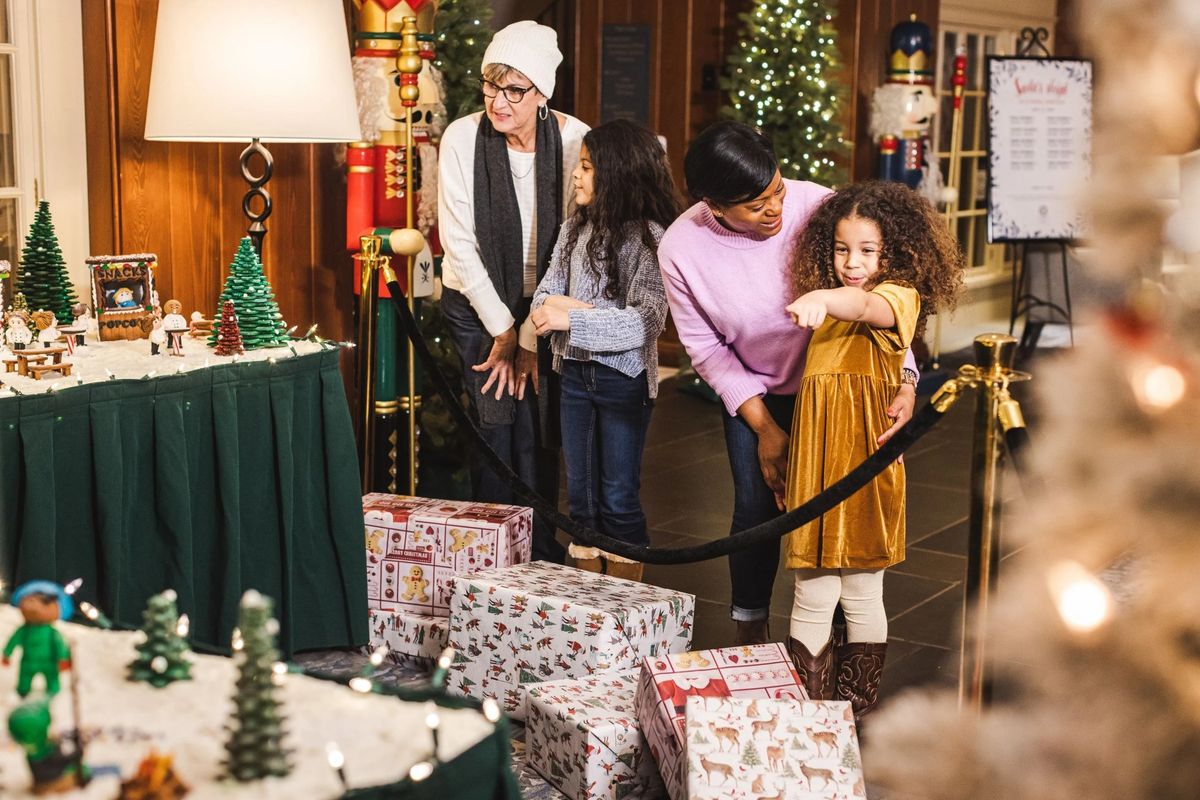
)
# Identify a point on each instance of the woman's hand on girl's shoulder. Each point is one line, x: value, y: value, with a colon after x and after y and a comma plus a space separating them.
x: 809, y: 310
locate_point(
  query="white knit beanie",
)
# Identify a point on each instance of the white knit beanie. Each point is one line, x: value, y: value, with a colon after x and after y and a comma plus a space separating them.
x: 530, y: 48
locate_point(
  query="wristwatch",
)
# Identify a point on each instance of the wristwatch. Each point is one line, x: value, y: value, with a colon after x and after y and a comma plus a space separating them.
x: 908, y: 376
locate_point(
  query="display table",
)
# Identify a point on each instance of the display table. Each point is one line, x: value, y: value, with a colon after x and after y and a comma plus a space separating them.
x: 221, y: 479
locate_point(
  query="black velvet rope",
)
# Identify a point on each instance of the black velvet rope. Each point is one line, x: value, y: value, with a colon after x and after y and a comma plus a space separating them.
x: 769, y: 531
x: 1016, y: 441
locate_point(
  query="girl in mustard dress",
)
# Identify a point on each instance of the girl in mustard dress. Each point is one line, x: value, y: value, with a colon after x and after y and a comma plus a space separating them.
x: 873, y: 261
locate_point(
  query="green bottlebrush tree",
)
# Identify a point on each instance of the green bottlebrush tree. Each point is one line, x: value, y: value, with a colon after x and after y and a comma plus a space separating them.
x: 780, y: 80
x: 42, y: 276
x: 254, y: 748
x: 259, y: 320
x: 20, y: 303
x: 162, y: 656
x: 464, y: 28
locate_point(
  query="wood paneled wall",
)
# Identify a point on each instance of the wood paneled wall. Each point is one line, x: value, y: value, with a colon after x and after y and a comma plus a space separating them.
x: 864, y: 27
x: 183, y: 200
x: 686, y: 37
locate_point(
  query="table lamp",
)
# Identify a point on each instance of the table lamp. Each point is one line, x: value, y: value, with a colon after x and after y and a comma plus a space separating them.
x: 257, y: 71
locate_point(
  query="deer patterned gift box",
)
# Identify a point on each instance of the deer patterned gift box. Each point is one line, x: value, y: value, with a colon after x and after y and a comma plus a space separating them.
x: 761, y: 671
x: 542, y: 622
x: 415, y: 545
x: 773, y: 749
x: 582, y: 736
x: 410, y: 638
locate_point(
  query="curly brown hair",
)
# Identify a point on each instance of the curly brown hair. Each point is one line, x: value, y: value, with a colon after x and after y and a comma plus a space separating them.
x: 918, y: 249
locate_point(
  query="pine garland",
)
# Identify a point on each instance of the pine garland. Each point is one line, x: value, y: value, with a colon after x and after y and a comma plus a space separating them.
x: 464, y: 28
x: 780, y: 79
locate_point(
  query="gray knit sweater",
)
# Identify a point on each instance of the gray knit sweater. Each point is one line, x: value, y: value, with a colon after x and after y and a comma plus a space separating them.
x: 620, y: 333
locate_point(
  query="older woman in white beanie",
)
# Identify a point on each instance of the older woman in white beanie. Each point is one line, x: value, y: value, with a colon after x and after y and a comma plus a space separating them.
x: 504, y: 188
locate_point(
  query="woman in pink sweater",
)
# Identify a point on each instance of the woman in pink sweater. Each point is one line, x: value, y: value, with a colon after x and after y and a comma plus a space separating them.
x: 725, y: 269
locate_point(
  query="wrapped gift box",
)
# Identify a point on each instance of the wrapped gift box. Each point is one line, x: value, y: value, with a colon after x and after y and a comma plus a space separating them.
x: 808, y: 747
x: 582, y: 736
x: 753, y: 671
x: 541, y: 622
x: 415, y: 545
x: 411, y: 638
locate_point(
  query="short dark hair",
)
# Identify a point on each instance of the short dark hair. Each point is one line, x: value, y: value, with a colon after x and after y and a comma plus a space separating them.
x: 729, y: 163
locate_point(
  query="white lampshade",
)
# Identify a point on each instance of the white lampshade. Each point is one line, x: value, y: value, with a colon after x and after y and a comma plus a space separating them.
x: 234, y: 70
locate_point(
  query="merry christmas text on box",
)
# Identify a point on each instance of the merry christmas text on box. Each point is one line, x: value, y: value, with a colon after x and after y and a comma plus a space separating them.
x: 541, y: 621
x: 582, y: 736
x: 667, y: 681
x: 415, y: 544
x: 807, y: 747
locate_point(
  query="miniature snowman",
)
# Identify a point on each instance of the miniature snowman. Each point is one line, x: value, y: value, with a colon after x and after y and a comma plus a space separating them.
x: 83, y: 322
x: 16, y: 333
x: 175, y: 326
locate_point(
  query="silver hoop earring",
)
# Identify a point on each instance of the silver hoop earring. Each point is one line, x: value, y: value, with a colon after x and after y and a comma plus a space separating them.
x: 543, y: 112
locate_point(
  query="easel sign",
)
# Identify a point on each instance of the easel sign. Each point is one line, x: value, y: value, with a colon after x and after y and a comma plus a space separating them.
x: 1039, y: 147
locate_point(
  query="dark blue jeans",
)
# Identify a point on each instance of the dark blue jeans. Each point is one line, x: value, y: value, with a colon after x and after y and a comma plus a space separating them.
x: 752, y: 572
x: 605, y: 414
x: 519, y: 444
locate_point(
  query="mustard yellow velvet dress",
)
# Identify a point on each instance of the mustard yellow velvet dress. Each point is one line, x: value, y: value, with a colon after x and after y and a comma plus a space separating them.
x: 850, y: 378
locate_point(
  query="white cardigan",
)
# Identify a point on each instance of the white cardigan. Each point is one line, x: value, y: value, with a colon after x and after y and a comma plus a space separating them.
x: 462, y: 268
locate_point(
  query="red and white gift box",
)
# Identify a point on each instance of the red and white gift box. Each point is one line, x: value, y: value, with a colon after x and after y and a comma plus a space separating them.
x: 410, y: 638
x: 415, y: 545
x: 808, y: 747
x: 543, y: 622
x: 582, y: 736
x: 668, y: 680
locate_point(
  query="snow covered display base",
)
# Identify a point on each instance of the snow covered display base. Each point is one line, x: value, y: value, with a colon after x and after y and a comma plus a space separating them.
x: 131, y: 360
x: 123, y: 721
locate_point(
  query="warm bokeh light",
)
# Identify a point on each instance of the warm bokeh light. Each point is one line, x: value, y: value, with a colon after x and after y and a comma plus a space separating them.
x: 1158, y: 387
x: 1083, y: 602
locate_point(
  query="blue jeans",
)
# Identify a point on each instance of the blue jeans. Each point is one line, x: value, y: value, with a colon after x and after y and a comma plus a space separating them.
x: 519, y: 444
x: 752, y: 572
x: 605, y: 414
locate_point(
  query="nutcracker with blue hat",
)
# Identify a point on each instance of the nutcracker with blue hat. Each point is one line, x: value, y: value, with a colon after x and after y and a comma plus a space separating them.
x: 903, y: 107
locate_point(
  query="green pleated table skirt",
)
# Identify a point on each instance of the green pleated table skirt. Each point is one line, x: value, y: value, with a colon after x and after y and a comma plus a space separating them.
x: 234, y: 477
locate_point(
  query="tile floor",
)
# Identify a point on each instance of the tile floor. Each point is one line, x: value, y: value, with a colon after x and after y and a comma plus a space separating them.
x: 687, y: 493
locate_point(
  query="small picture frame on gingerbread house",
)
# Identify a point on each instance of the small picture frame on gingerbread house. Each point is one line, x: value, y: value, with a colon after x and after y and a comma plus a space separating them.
x: 123, y: 294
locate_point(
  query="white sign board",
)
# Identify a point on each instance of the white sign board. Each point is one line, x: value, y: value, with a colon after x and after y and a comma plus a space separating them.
x: 1039, y: 148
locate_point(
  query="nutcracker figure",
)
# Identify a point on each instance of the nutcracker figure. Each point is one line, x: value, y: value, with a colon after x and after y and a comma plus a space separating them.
x: 378, y: 204
x: 902, y: 109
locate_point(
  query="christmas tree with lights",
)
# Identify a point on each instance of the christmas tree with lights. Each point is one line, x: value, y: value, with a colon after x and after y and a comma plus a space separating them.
x: 779, y: 78
x: 42, y: 276
x: 162, y: 654
x: 259, y: 320
x: 255, y: 748
x: 464, y: 28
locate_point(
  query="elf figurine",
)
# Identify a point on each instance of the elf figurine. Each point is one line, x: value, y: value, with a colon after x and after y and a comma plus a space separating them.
x: 43, y: 650
x: 53, y: 770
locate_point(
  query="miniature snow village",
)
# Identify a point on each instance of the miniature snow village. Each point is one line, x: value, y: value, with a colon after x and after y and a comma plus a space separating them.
x: 49, y: 340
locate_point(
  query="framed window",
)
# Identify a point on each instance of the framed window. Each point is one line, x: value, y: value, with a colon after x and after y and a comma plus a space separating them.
x: 20, y: 166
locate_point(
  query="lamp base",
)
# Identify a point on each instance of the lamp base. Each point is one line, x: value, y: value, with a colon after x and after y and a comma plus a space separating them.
x: 257, y: 230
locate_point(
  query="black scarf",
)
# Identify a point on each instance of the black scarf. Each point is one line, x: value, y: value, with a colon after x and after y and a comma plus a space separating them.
x: 498, y: 231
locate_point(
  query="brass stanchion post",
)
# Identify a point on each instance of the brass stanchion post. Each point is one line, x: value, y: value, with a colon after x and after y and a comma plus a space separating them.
x: 368, y: 258
x: 991, y: 375
x: 409, y: 241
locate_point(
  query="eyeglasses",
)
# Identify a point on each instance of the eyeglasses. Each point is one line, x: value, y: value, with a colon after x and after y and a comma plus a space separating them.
x: 513, y: 94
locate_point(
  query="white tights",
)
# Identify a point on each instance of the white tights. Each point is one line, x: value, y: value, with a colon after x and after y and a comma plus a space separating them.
x: 818, y: 592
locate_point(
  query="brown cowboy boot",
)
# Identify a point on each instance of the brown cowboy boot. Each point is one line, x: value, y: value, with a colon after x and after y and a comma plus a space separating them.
x: 816, y: 672
x: 860, y: 668
x: 593, y: 559
x: 753, y: 631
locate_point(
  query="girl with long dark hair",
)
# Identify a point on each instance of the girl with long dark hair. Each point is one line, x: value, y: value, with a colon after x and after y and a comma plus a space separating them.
x: 603, y: 305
